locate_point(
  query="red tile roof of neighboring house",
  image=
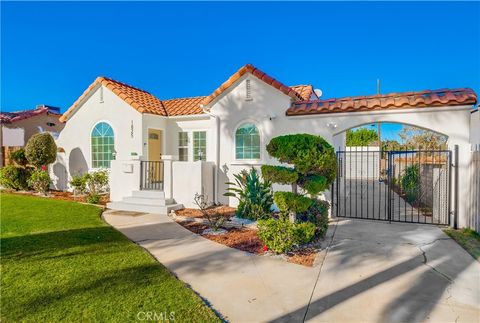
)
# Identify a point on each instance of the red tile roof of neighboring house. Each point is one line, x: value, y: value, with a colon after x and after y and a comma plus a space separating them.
x: 10, y: 117
x: 442, y: 97
x: 258, y: 73
x: 184, y: 106
x: 140, y: 100
x: 305, y: 91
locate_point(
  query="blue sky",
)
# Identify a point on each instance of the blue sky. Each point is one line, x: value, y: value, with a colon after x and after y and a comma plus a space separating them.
x: 50, y: 52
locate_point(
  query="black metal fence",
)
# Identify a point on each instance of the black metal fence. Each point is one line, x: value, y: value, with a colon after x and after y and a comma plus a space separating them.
x: 398, y: 186
x: 151, y: 175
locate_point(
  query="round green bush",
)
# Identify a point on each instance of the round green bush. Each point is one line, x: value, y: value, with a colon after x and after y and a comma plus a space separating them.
x: 291, y: 202
x: 279, y: 174
x: 40, y: 181
x: 280, y: 235
x: 41, y: 149
x: 14, y: 177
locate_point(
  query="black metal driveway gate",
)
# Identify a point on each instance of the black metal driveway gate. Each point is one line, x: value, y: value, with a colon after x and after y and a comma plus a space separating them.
x: 400, y: 186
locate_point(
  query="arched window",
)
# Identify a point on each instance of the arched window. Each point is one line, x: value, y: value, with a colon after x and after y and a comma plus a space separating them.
x: 102, y: 145
x: 247, y: 142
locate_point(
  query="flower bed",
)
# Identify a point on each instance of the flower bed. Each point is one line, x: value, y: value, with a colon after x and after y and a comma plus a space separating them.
x: 244, y: 239
x: 65, y: 196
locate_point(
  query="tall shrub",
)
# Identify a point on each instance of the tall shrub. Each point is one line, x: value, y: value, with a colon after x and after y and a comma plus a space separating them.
x: 314, y: 170
x: 41, y: 150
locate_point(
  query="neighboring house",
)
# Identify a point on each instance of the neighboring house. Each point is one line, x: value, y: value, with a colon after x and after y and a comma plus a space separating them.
x: 203, y: 141
x: 19, y: 126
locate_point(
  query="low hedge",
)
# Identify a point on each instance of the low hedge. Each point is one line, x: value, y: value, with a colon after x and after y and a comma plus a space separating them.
x: 317, y: 214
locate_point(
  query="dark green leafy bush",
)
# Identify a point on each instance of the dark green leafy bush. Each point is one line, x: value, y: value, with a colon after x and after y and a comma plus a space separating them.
x: 317, y: 214
x: 254, y: 196
x: 280, y: 235
x: 303, y: 232
x: 18, y: 156
x: 279, y: 174
x: 14, y: 177
x: 291, y: 202
x: 40, y: 181
x: 41, y: 149
x: 410, y: 182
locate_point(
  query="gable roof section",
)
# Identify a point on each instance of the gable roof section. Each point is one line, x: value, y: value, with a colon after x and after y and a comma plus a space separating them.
x: 184, y: 106
x: 140, y: 100
x: 259, y: 74
x: 10, y: 117
x: 428, y: 98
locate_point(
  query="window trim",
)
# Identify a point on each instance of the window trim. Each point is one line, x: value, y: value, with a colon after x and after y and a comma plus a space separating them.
x: 260, y: 133
x: 90, y: 143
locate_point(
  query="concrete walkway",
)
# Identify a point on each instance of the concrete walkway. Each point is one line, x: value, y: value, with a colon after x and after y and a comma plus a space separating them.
x: 372, y: 272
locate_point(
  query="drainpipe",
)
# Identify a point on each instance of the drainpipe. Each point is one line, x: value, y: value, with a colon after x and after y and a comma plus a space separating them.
x: 217, y: 151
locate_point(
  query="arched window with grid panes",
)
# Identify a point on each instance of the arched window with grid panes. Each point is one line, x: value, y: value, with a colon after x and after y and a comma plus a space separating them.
x: 102, y: 143
x: 247, y: 142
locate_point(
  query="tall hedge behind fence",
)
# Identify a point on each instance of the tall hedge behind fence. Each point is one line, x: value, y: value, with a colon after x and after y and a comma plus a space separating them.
x: 474, y: 200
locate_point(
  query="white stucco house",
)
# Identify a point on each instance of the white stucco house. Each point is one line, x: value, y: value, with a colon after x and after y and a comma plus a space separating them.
x: 161, y: 152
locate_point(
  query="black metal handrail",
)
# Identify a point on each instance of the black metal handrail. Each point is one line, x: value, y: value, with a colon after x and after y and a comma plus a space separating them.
x: 151, y: 175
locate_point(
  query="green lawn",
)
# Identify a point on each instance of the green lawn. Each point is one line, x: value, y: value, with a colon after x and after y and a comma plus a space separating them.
x: 60, y: 261
x: 468, y: 239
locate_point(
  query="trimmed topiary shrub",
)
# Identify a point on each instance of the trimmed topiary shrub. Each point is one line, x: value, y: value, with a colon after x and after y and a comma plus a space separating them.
x: 303, y: 232
x: 40, y: 181
x: 14, y: 177
x: 41, y: 149
x: 291, y: 202
x: 314, y: 169
x: 279, y: 174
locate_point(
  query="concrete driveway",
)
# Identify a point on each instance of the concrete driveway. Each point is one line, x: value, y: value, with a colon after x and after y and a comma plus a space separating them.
x: 371, y: 272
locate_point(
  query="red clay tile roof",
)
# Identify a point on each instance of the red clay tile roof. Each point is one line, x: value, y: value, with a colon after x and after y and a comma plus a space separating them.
x: 184, y: 106
x: 442, y: 97
x: 140, y: 100
x: 305, y: 91
x: 10, y: 117
x: 256, y: 72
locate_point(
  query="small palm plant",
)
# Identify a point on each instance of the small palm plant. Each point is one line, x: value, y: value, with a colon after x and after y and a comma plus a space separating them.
x: 254, y: 195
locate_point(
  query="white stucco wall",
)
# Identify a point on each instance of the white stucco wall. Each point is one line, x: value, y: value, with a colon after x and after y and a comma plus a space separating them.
x: 191, y: 178
x: 189, y: 125
x: 75, y: 137
x: 475, y: 129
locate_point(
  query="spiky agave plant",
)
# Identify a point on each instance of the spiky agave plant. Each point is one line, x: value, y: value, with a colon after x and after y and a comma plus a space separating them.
x: 254, y: 195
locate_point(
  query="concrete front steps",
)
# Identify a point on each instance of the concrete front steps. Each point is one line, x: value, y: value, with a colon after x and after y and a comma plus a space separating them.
x: 146, y: 202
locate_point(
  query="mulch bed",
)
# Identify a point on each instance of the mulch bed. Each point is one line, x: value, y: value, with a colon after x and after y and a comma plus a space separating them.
x: 243, y: 239
x: 65, y: 196
x: 226, y: 211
